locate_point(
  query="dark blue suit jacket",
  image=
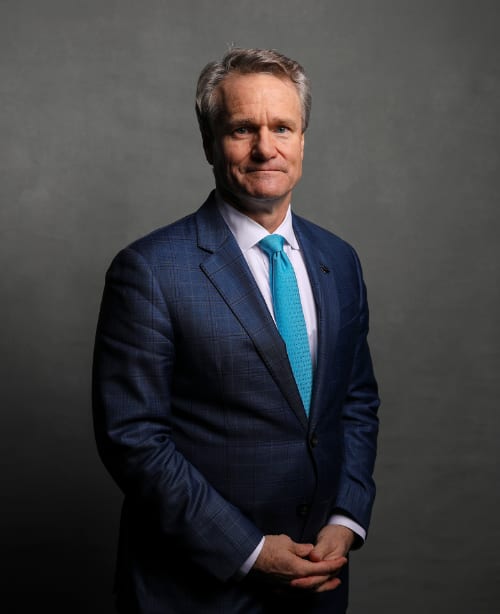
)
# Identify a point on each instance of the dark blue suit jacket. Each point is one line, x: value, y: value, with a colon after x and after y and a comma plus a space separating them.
x: 200, y: 422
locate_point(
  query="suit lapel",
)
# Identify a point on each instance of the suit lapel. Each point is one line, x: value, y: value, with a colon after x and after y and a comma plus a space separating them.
x: 228, y: 271
x: 324, y: 287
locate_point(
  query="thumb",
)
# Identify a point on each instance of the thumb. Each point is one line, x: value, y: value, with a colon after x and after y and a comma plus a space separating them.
x: 325, y: 548
x: 319, y: 552
x: 302, y: 550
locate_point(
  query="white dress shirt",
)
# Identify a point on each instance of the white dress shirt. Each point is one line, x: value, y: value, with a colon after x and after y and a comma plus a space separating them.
x: 248, y: 233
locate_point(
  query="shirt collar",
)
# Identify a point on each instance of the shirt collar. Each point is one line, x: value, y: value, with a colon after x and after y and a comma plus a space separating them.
x: 248, y: 232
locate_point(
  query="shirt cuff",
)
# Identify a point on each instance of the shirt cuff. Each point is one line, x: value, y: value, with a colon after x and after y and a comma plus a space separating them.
x: 345, y: 521
x: 249, y: 563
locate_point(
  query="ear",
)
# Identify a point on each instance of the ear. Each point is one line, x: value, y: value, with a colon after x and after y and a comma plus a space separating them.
x: 302, y: 146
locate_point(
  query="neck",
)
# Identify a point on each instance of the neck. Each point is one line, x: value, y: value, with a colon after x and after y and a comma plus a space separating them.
x: 268, y: 213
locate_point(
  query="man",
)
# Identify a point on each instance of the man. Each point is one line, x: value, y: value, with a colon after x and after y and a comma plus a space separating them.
x: 246, y: 461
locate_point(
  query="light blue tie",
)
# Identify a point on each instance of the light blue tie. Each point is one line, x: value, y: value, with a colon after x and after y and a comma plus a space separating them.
x: 289, y: 315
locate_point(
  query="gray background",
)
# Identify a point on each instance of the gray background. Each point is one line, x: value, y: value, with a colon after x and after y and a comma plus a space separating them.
x: 99, y: 144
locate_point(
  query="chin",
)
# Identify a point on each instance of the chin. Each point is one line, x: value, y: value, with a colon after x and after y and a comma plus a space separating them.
x: 265, y: 196
x: 267, y: 192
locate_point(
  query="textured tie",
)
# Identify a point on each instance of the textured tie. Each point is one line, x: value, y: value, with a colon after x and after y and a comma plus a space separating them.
x: 288, y: 314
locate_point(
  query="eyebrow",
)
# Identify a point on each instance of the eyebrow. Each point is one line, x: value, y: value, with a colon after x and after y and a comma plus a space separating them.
x: 246, y: 121
x: 249, y: 122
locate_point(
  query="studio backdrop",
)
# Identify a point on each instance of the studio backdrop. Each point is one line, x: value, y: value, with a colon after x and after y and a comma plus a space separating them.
x: 99, y: 145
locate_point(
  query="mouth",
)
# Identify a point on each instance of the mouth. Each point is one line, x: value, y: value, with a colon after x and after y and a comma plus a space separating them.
x: 265, y: 170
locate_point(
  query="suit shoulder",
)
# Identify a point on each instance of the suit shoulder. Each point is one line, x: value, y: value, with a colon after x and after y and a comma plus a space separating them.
x: 178, y: 238
x: 156, y: 244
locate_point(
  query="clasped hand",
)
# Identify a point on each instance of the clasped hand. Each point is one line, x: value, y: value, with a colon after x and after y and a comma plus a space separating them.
x: 312, y: 567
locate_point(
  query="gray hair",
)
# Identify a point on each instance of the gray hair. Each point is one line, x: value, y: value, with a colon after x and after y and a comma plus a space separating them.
x: 244, y: 62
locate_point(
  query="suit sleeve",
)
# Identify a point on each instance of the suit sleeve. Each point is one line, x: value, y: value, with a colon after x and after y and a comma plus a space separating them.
x: 134, y: 359
x: 360, y: 424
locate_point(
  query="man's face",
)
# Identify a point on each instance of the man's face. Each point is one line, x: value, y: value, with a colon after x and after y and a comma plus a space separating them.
x: 258, y: 142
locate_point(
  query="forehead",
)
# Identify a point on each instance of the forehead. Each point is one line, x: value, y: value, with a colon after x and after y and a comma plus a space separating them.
x: 256, y: 93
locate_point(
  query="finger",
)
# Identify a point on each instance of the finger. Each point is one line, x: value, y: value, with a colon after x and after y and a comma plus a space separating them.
x: 328, y: 568
x: 330, y: 564
x: 330, y: 585
x: 302, y: 550
x: 318, y: 553
x: 309, y: 583
x: 324, y: 551
x: 319, y: 584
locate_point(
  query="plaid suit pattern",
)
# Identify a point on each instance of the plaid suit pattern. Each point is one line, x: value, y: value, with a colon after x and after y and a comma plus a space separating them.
x: 199, y: 420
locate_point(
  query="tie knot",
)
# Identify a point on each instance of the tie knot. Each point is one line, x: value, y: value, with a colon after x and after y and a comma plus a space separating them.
x: 272, y: 244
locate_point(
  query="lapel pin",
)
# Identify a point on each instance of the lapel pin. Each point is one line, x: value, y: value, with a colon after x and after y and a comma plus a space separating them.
x: 324, y: 268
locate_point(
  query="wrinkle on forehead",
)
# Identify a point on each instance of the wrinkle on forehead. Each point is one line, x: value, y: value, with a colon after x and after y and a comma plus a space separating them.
x: 247, y: 97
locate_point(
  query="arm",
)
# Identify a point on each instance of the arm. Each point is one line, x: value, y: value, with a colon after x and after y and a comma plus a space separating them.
x: 360, y: 425
x: 348, y: 525
x: 133, y: 365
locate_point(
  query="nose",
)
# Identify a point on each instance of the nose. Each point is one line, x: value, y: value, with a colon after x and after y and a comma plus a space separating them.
x: 263, y: 146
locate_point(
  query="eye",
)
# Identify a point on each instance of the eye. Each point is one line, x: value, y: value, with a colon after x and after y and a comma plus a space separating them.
x: 241, y: 130
x: 282, y: 129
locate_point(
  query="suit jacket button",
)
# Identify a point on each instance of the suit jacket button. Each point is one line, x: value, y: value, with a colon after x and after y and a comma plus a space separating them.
x: 302, y: 510
x: 314, y: 440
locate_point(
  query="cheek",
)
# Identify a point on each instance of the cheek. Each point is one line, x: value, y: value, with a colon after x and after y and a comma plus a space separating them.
x: 226, y: 160
x: 236, y: 152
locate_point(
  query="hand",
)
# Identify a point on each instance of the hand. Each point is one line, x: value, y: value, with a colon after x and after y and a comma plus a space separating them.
x: 333, y: 544
x: 284, y: 561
